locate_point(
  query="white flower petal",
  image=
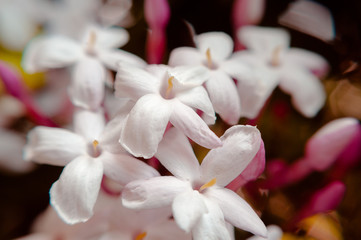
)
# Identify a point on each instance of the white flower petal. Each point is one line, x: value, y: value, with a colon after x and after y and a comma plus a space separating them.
x: 132, y: 82
x: 186, y: 77
x: 235, y: 67
x: 111, y: 37
x: 308, y: 94
x: 240, y: 145
x: 187, y: 208
x: 237, y: 211
x: 264, y: 40
x: 219, y: 44
x: 274, y: 233
x: 53, y: 146
x: 224, y: 96
x: 198, y: 98
x: 187, y: 120
x: 211, y: 226
x: 89, y: 124
x: 145, y: 125
x: 176, y: 154
x: 87, y: 86
x: 112, y: 58
x: 73, y: 196
x: 124, y: 168
x: 153, y: 193
x: 186, y: 56
x: 50, y: 52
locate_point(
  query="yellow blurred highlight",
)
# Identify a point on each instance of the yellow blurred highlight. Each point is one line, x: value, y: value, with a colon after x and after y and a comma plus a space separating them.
x: 322, y: 226
x: 33, y: 81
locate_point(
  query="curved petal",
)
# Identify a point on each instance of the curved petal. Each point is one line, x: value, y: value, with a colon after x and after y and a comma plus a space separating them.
x: 310, y: 60
x: 219, y: 44
x: 186, y: 56
x: 211, y: 225
x: 187, y: 120
x: 132, y: 82
x: 153, y: 193
x: 264, y: 40
x: 53, y: 146
x: 50, y: 52
x: 187, y: 208
x: 110, y: 37
x: 112, y: 58
x: 198, y: 98
x: 176, y: 154
x: 237, y: 211
x: 73, y: 196
x: 324, y: 147
x: 89, y: 124
x: 308, y: 94
x: 145, y: 125
x: 235, y: 67
x: 124, y: 168
x: 224, y: 96
x: 87, y: 87
x: 240, y: 145
x: 186, y: 77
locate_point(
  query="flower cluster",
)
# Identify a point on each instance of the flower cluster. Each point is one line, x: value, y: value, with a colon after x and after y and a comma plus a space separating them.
x: 130, y: 126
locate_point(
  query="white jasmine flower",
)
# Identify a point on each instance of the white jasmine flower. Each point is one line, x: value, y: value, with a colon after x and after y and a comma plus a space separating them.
x: 199, y: 201
x: 214, y: 50
x: 268, y: 48
x: 97, y: 50
x: 163, y: 95
x: 86, y: 154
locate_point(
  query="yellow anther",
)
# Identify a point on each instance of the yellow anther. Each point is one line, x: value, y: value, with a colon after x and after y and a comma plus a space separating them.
x: 208, y: 184
x: 209, y: 58
x: 140, y: 236
x: 91, y: 42
x: 170, y: 86
x: 275, y: 60
x: 95, y: 144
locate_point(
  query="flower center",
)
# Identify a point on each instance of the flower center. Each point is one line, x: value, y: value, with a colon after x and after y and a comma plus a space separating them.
x: 275, y: 58
x: 96, y: 150
x: 208, y: 184
x: 168, y: 92
x: 91, y: 43
x: 210, y: 63
x: 141, y: 236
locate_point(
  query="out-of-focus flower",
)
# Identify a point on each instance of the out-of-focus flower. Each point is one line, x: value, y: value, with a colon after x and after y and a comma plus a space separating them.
x: 274, y: 233
x: 86, y: 155
x: 163, y: 95
x: 268, y: 48
x: 200, y: 203
x: 214, y: 50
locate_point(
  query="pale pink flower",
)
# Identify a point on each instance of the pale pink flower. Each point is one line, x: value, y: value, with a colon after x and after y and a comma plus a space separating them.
x: 164, y: 95
x: 199, y: 201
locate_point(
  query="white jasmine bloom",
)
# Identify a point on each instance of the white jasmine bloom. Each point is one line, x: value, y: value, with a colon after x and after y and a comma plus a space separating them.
x: 97, y: 49
x: 164, y: 95
x: 269, y: 48
x: 86, y: 154
x: 199, y: 201
x: 214, y: 50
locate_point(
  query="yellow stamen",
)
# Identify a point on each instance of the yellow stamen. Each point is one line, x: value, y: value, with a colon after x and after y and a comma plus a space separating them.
x: 95, y: 144
x: 170, y: 86
x: 209, y: 58
x: 275, y: 60
x: 140, y: 236
x: 208, y: 184
x: 91, y: 42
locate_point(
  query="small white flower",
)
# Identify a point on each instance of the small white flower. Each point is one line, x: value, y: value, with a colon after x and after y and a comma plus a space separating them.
x: 196, y: 192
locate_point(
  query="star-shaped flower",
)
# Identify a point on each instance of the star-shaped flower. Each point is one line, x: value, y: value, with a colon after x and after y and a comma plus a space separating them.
x: 86, y: 154
x: 295, y: 69
x: 164, y: 95
x: 199, y: 201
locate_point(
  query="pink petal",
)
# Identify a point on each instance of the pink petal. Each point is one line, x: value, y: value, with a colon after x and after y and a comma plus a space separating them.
x: 176, y: 154
x: 153, y: 193
x: 247, y: 12
x: 187, y: 120
x: 73, y: 196
x: 325, y: 146
x: 87, y: 87
x: 225, y: 163
x: 145, y: 125
x: 237, y: 211
x: 53, y: 146
x: 157, y: 13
